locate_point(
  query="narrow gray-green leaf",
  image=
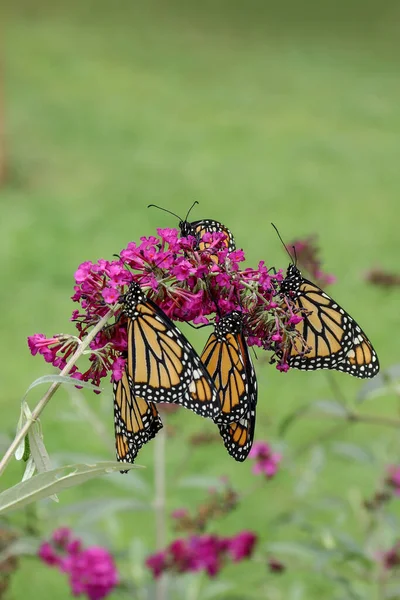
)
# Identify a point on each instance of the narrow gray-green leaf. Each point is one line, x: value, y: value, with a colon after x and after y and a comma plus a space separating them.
x: 29, y: 469
x: 291, y: 418
x: 39, y: 453
x: 201, y: 482
x: 330, y: 407
x: 93, y: 510
x: 61, y: 379
x: 51, y: 482
x: 380, y: 385
x: 353, y: 452
x: 22, y: 546
x: 216, y: 589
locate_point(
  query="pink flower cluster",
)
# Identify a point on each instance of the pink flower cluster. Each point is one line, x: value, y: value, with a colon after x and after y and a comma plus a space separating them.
x: 266, y: 461
x: 185, y: 283
x: 391, y: 558
x: 393, y: 478
x: 91, y: 571
x: 206, y: 552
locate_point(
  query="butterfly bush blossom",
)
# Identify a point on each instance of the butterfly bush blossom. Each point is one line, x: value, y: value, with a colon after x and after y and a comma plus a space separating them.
x: 207, y: 552
x: 266, y: 462
x: 186, y: 284
x: 91, y: 571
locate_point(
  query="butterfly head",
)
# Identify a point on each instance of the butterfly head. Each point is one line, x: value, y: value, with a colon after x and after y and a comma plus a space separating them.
x: 186, y: 228
x: 292, y: 281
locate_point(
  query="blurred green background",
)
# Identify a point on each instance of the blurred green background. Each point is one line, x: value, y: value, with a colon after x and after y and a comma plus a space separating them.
x: 261, y: 112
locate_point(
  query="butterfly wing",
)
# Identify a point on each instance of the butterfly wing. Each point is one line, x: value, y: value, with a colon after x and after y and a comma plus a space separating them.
x: 225, y: 357
x: 162, y: 364
x: 336, y: 340
x: 238, y: 436
x: 199, y: 228
x: 135, y: 421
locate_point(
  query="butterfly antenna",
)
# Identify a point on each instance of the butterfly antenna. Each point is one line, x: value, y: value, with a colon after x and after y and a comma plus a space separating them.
x: 283, y: 243
x: 295, y: 255
x: 165, y: 210
x: 190, y: 209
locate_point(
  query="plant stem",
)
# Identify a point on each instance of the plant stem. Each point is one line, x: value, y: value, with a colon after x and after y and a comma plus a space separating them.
x: 52, y: 389
x: 353, y: 417
x: 159, y: 504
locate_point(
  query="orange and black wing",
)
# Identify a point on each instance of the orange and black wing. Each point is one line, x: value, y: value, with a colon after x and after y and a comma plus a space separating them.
x: 135, y: 421
x: 335, y: 340
x: 238, y: 436
x: 227, y: 360
x: 162, y: 365
x: 199, y: 228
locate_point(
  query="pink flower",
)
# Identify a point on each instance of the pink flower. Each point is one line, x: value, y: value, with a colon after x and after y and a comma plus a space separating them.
x: 185, y: 282
x: 267, y: 462
x: 91, y: 571
x: 48, y: 554
x: 118, y: 368
x: 110, y: 295
x: 179, y: 513
x: 242, y: 545
x: 157, y: 563
x: 393, y: 479
x: 202, y: 553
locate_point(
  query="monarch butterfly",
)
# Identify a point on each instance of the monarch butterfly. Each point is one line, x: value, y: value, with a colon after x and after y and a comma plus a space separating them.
x: 336, y: 340
x: 136, y: 421
x: 228, y: 361
x: 162, y: 365
x: 198, y: 228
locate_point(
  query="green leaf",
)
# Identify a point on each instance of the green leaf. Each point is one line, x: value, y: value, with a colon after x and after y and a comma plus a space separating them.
x: 51, y: 482
x: 23, y: 546
x: 299, y: 549
x: 328, y: 407
x: 291, y: 418
x: 382, y: 384
x: 216, y: 589
x: 202, y: 482
x: 61, y: 379
x: 331, y: 407
x: 90, y: 511
x: 39, y: 453
x: 29, y: 469
x: 353, y: 452
x: 311, y: 471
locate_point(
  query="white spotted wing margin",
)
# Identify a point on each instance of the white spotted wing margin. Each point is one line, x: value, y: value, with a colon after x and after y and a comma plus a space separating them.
x: 162, y: 364
x: 335, y: 338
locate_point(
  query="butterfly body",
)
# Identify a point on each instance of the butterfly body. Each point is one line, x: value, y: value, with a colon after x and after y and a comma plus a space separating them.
x: 228, y: 361
x: 335, y: 340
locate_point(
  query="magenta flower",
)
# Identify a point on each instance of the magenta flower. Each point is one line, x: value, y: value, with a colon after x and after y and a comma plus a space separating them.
x: 266, y: 461
x: 186, y: 284
x: 393, y: 478
x: 391, y: 558
x: 157, y: 563
x: 242, y: 545
x: 91, y: 571
x: 205, y: 552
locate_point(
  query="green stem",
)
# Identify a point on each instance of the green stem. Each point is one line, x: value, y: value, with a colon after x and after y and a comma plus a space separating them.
x: 52, y: 389
x: 160, y: 504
